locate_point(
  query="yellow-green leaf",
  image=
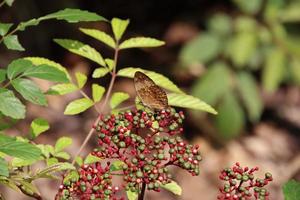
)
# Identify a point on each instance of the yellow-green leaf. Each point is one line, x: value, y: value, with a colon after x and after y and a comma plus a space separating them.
x: 172, y: 187
x: 117, y: 98
x: 100, y: 72
x: 141, y: 42
x: 91, y: 159
x: 38, y: 126
x: 97, y: 92
x: 61, y: 89
x: 78, y: 106
x: 119, y: 26
x: 101, y: 36
x: 81, y: 79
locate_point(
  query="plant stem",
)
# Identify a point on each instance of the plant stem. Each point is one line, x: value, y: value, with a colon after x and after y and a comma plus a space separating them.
x: 111, y: 84
x: 10, y: 33
x: 142, y: 194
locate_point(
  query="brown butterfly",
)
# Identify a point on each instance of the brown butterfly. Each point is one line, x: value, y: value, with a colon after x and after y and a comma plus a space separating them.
x: 150, y: 94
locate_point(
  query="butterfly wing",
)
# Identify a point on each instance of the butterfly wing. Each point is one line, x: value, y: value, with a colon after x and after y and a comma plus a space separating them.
x: 149, y: 93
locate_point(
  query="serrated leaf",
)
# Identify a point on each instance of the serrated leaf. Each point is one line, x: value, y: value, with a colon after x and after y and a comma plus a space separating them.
x: 100, y: 72
x: 4, y: 28
x: 250, y: 95
x: 78, y: 106
x: 62, y: 143
x: 119, y: 26
x: 81, y: 79
x: 230, y: 119
x: 61, y: 89
x: 132, y: 195
x: 74, y: 16
x: 63, y: 155
x: 97, y: 92
x: 91, y: 159
x: 188, y: 101
x: 51, y: 161
x: 41, y: 60
x: 12, y: 42
x: 214, y: 84
x: 117, y: 98
x: 38, y: 126
x: 9, y: 2
x: 274, y: 70
x: 141, y: 42
x: 101, y: 36
x: 81, y: 49
x: 10, y: 105
x: 159, y: 79
x: 47, y: 72
x: 116, y: 165
x: 18, y: 66
x: 2, y: 75
x: 3, y: 168
x: 18, y: 149
x: 172, y: 187
x: 30, y: 91
x: 291, y: 190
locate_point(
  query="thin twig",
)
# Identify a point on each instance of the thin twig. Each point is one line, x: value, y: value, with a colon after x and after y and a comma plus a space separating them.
x: 142, y: 194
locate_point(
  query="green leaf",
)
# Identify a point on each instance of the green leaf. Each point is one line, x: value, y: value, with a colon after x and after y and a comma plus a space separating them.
x: 30, y: 91
x: 101, y: 36
x: 78, y: 106
x: 249, y: 7
x: 12, y: 42
x: 79, y: 160
x: 202, y: 49
x: 9, y: 2
x: 110, y: 63
x: 63, y: 155
x: 250, y: 95
x: 116, y: 165
x: 71, y: 176
x: 295, y: 70
x: 91, y: 159
x: 61, y: 166
x: 230, y: 120
x: 172, y: 187
x: 81, y: 79
x: 81, y: 49
x: 74, y: 16
x: 220, y: 24
x: 119, y: 26
x: 132, y: 195
x: 29, y: 188
x: 141, y: 42
x: 2, y: 75
x: 97, y: 92
x: 117, y: 98
x: 18, y: 149
x: 290, y: 14
x: 38, y: 126
x: 17, y: 67
x: 100, y: 72
x: 188, y: 101
x: 291, y: 190
x: 61, y: 89
x: 4, y: 28
x: 3, y: 168
x: 18, y: 162
x: 51, y: 161
x: 41, y: 60
x: 214, y: 84
x: 10, y: 105
x: 274, y: 70
x: 159, y: 79
x: 32, y: 22
x: 47, y: 150
x: 62, y: 143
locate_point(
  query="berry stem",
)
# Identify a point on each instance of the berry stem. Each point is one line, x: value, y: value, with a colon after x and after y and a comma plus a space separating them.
x: 142, y: 194
x: 111, y: 84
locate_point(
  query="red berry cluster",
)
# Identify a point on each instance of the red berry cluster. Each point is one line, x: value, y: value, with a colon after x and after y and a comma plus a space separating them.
x: 146, y: 144
x: 94, y: 182
x: 242, y: 185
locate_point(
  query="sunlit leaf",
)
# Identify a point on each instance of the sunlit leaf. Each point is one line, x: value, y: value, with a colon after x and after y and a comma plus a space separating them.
x: 4, y: 28
x: 110, y: 63
x: 117, y: 165
x: 78, y: 106
x: 97, y: 92
x: 291, y: 190
x: 30, y: 91
x: 119, y: 26
x: 38, y: 126
x: 62, y: 143
x: 117, y: 98
x: 63, y: 155
x: 10, y: 105
x: 159, y: 79
x: 51, y: 161
x: 2, y: 75
x: 81, y: 49
x: 18, y: 162
x: 9, y: 2
x: 100, y: 72
x: 79, y: 160
x: 188, y: 101
x: 172, y: 187
x: 3, y: 168
x: 12, y: 42
x: 132, y: 195
x: 81, y: 79
x: 141, y: 42
x: 100, y: 35
x: 250, y: 7
x: 61, y: 89
x: 71, y: 176
x: 91, y: 159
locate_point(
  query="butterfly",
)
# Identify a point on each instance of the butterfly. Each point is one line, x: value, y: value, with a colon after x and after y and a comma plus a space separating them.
x: 150, y: 94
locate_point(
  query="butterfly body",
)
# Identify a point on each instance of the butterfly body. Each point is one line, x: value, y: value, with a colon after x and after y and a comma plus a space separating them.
x: 150, y: 94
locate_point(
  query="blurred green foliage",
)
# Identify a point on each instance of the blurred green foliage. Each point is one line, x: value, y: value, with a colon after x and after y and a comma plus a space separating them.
x: 254, y: 47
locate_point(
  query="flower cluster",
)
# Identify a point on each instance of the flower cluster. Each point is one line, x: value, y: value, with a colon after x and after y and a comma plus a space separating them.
x: 242, y: 184
x: 143, y: 144
x: 92, y: 182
